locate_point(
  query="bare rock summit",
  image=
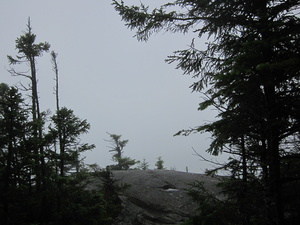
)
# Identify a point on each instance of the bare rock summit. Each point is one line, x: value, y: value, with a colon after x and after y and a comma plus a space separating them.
x: 157, y: 197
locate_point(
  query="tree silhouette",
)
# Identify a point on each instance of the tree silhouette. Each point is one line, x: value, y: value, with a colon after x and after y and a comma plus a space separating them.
x: 249, y: 71
x: 116, y: 147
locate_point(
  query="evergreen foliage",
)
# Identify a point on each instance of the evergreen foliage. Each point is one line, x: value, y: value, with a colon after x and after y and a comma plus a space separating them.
x: 70, y: 128
x: 117, y: 145
x: 64, y: 199
x: 144, y: 165
x: 159, y: 163
x: 38, y: 184
x: 249, y: 71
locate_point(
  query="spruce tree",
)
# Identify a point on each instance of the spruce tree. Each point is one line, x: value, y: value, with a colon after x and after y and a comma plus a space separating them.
x: 117, y: 145
x: 71, y: 128
x: 28, y: 51
x: 249, y: 71
x: 15, y: 163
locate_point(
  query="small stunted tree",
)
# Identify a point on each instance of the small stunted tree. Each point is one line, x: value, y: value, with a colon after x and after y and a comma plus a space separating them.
x: 159, y: 163
x: 144, y: 165
x: 117, y: 145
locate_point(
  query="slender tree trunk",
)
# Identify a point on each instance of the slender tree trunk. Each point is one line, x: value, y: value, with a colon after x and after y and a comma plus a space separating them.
x: 244, y: 161
x: 273, y: 157
x: 35, y: 124
x: 55, y: 68
x: 272, y: 121
x: 59, y: 196
x: 39, y: 148
x: 59, y: 127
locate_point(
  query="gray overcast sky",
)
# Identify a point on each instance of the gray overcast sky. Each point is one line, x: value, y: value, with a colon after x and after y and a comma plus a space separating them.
x: 118, y: 84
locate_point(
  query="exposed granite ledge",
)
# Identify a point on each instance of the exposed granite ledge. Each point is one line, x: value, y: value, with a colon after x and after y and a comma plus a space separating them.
x: 157, y: 196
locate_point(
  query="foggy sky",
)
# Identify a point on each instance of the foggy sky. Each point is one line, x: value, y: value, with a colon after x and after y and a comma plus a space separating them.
x: 106, y: 76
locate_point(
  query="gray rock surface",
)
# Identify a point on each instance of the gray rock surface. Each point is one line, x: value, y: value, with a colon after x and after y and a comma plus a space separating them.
x: 157, y: 196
